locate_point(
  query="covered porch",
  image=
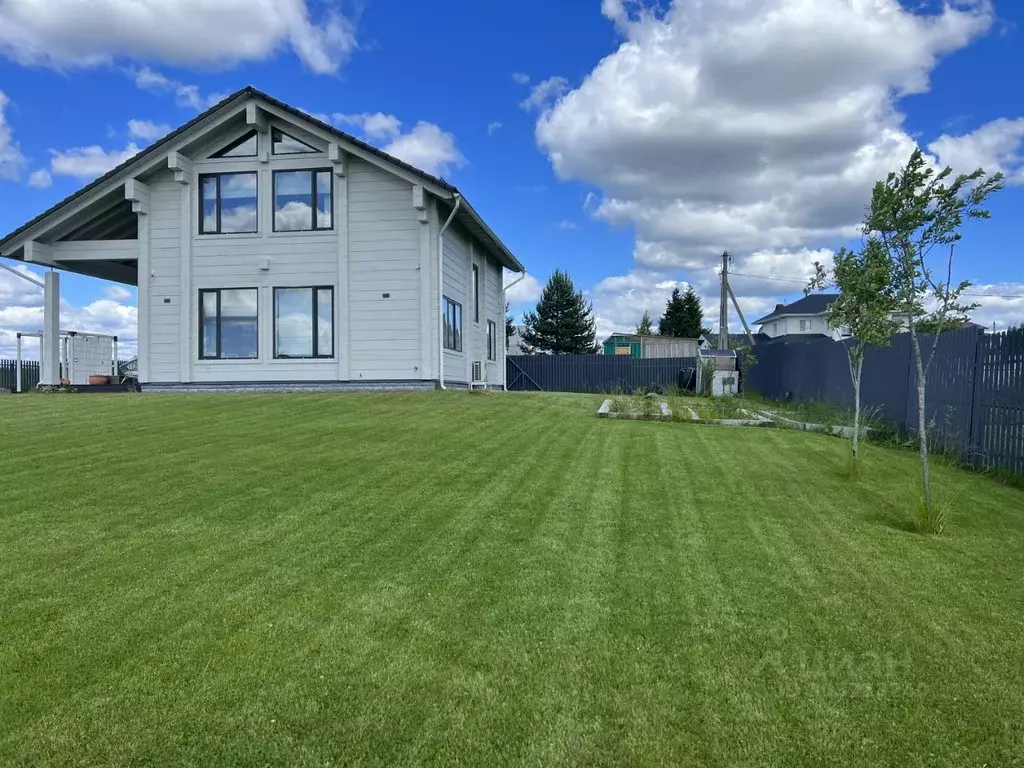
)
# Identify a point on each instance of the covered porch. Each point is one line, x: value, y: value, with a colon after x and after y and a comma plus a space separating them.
x: 98, y: 240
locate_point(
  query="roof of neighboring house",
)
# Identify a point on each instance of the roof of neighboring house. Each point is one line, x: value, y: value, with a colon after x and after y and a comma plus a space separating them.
x: 251, y: 91
x: 815, y: 304
x: 637, y: 337
x: 735, y: 339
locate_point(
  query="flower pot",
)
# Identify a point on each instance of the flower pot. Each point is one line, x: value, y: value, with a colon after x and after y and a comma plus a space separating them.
x: 96, y: 380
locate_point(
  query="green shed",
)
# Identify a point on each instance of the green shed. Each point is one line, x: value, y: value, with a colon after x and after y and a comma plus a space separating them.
x: 624, y: 344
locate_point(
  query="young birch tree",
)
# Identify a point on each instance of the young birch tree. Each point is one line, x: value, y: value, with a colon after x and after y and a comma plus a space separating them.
x: 916, y: 215
x: 864, y: 308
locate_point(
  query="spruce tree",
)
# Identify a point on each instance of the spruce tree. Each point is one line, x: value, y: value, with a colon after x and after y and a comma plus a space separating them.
x: 645, y: 328
x: 510, y: 325
x: 684, y: 315
x: 563, y: 322
x: 692, y: 325
x: 670, y: 323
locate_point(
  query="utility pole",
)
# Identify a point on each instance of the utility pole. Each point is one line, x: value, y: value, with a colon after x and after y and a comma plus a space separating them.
x: 723, y: 307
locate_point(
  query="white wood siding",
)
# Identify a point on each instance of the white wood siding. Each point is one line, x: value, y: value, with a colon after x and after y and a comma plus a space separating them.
x: 386, y: 308
x: 384, y: 294
x: 264, y: 260
x: 164, y: 326
x: 456, y: 275
x: 496, y: 312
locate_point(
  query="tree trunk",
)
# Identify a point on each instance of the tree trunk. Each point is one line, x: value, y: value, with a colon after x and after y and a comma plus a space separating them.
x: 856, y: 408
x: 922, y: 425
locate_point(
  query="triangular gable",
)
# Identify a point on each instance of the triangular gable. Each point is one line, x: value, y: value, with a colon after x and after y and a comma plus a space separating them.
x: 161, y: 151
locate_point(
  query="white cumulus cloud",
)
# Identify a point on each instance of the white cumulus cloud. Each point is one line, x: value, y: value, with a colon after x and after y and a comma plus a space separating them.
x: 147, y: 130
x: 185, y: 95
x: 428, y: 148
x: 88, y: 162
x: 89, y: 33
x: 754, y: 126
x: 544, y: 93
x: 40, y: 179
x: 526, y: 291
x: 376, y: 125
x: 995, y: 146
x: 11, y: 160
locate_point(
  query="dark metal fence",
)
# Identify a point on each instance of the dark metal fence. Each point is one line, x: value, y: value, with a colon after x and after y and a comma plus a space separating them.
x: 29, y: 374
x: 975, y: 396
x: 596, y: 373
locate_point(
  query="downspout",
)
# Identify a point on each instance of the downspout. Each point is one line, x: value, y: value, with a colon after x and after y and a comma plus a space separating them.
x: 440, y: 290
x: 504, y: 290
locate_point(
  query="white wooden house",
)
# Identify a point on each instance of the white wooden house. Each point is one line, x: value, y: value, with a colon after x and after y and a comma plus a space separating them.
x: 270, y: 248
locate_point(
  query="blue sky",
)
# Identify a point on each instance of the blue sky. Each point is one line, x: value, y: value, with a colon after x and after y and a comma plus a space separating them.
x: 626, y: 145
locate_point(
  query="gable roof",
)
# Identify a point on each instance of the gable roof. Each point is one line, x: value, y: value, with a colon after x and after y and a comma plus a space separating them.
x: 815, y: 304
x: 735, y: 339
x: 467, y: 216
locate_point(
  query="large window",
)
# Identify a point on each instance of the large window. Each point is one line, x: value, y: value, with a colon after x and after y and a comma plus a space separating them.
x: 228, y: 204
x: 452, y: 325
x: 492, y: 340
x: 304, y: 322
x: 228, y: 324
x: 303, y: 200
x: 476, y: 294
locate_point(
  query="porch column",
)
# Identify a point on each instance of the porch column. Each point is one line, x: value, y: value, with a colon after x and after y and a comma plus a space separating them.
x: 139, y: 195
x: 49, y: 353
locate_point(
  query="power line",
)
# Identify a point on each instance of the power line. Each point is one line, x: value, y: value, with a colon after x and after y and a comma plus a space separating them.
x: 804, y: 281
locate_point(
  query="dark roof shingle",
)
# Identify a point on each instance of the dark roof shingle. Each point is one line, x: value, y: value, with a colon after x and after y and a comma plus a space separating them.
x: 814, y: 304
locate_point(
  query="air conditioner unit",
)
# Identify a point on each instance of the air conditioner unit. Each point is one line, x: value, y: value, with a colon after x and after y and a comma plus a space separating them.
x: 479, y: 372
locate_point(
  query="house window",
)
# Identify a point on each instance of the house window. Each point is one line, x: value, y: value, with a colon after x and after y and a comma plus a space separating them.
x: 775, y: 329
x: 303, y: 200
x: 304, y: 322
x: 242, y: 147
x: 476, y: 294
x: 228, y: 324
x: 227, y: 204
x: 452, y: 325
x: 805, y: 325
x: 282, y: 143
x: 492, y: 340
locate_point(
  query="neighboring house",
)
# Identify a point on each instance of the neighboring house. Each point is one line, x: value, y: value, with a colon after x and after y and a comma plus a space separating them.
x: 736, y: 340
x: 803, y: 317
x: 269, y: 247
x: 649, y: 347
x: 516, y: 345
x: 807, y: 317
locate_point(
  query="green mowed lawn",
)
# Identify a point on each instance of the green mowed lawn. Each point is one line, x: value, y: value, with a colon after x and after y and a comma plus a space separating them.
x: 440, y: 578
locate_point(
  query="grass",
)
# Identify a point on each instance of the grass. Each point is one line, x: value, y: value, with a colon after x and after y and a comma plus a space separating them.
x: 435, y: 578
x: 811, y: 412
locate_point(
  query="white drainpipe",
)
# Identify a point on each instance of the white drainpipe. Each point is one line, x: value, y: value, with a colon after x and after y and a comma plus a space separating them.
x: 440, y: 290
x: 504, y: 291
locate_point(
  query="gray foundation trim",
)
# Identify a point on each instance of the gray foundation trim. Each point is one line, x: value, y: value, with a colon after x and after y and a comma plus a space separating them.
x: 292, y: 386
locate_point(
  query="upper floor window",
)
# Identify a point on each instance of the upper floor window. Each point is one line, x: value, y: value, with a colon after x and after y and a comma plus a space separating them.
x: 282, y: 143
x: 228, y: 203
x: 476, y: 294
x: 241, y: 147
x: 452, y: 325
x: 303, y: 200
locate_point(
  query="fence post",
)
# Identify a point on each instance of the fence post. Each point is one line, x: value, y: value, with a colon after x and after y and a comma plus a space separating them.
x: 17, y: 364
x: 976, y: 382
